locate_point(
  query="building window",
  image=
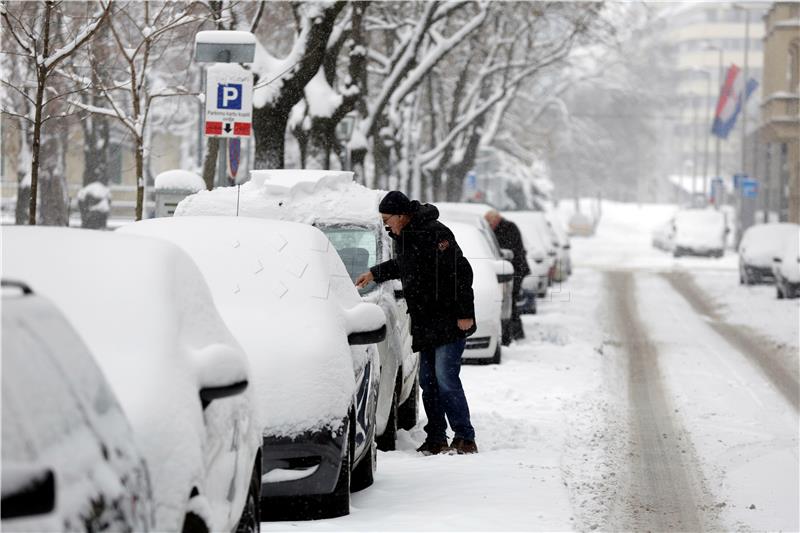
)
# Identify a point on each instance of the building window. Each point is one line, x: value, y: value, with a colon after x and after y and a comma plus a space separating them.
x: 793, y: 67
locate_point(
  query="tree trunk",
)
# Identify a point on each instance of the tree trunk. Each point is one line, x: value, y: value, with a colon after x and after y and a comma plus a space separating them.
x: 139, y: 178
x: 35, y: 149
x: 54, y: 197
x: 270, y: 144
x: 210, y: 161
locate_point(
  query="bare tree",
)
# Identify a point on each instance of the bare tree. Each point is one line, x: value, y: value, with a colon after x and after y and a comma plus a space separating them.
x: 34, y: 30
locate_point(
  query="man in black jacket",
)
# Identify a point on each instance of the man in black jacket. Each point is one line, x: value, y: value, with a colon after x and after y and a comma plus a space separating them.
x: 437, y: 285
x: 508, y: 236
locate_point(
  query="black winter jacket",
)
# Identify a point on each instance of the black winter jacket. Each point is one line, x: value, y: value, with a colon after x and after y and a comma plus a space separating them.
x: 437, y: 279
x: 508, y: 236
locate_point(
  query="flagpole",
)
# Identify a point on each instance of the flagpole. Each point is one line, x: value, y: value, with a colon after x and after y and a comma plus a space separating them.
x: 746, y: 82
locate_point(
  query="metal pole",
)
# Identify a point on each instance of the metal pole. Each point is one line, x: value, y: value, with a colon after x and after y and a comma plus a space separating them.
x: 694, y: 146
x: 744, y: 89
x: 721, y: 83
x: 222, y: 162
x: 709, y: 103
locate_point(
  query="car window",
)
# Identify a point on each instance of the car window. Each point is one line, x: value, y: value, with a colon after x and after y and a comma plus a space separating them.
x: 356, y: 246
x: 38, y: 387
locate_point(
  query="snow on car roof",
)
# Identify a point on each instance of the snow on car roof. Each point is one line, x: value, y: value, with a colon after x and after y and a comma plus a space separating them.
x: 470, y: 239
x: 283, y: 291
x: 146, y: 313
x: 307, y: 196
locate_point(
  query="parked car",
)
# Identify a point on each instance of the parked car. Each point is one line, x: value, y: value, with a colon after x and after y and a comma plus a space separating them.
x: 664, y: 236
x: 70, y: 462
x: 564, y: 266
x: 786, y: 269
x: 581, y: 225
x: 473, y: 213
x: 699, y: 232
x: 759, y: 245
x: 485, y: 344
x: 347, y: 213
x: 535, y: 229
x: 285, y: 294
x: 147, y: 315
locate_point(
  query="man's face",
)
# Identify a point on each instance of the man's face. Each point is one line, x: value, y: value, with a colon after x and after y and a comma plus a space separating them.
x: 395, y: 223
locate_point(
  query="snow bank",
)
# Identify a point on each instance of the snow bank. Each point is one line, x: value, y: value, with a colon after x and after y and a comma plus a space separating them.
x: 180, y: 180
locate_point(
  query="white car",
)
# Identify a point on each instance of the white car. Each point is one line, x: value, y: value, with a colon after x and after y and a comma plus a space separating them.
x: 147, y: 315
x: 69, y: 456
x: 664, y: 236
x: 284, y: 292
x: 485, y: 344
x: 473, y: 213
x: 536, y: 230
x: 786, y: 268
x: 759, y: 245
x: 581, y: 225
x: 348, y: 215
x: 699, y: 232
x: 564, y: 264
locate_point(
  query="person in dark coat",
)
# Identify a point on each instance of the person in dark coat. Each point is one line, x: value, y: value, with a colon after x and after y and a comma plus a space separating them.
x: 437, y: 286
x: 508, y: 236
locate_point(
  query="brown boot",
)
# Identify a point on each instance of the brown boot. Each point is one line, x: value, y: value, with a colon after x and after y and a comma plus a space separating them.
x: 464, y: 447
x: 434, y: 448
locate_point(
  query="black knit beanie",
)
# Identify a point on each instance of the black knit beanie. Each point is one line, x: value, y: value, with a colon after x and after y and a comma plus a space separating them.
x: 397, y: 203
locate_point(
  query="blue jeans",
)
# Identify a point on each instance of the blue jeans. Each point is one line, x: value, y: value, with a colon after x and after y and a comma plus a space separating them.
x: 442, y: 393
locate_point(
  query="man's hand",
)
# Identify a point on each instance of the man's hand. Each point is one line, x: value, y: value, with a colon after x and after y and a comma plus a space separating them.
x: 364, y: 279
x: 465, y: 323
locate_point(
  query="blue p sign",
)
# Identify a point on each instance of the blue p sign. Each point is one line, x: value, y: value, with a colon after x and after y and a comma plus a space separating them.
x: 229, y: 96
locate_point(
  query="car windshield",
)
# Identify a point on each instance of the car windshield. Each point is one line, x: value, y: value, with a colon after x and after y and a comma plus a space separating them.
x: 357, y: 247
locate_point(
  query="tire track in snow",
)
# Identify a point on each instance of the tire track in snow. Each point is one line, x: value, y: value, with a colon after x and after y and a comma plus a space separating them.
x: 661, y: 495
x: 761, y: 352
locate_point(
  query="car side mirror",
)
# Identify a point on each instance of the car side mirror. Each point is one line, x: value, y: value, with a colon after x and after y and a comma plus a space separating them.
x: 209, y: 394
x: 507, y: 254
x: 365, y: 324
x: 28, y: 490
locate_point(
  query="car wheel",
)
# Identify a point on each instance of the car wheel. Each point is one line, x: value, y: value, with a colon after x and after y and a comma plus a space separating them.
x: 386, y: 442
x: 363, y: 475
x: 779, y: 291
x: 250, y: 521
x: 498, y: 353
x: 408, y: 411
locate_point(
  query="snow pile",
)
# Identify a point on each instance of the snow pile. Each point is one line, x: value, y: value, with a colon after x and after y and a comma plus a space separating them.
x: 283, y: 291
x: 146, y: 313
x: 178, y: 179
x: 303, y: 196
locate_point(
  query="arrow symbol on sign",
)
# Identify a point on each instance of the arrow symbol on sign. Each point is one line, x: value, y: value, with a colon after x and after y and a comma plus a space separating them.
x: 227, y: 127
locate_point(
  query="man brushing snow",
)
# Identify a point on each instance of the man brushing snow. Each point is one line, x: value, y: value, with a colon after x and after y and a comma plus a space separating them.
x: 437, y: 284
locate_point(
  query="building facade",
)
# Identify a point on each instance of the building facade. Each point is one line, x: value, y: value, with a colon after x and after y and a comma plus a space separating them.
x: 778, y: 135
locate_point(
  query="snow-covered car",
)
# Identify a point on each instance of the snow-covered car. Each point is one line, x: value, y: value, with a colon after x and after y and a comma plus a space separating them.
x: 284, y: 292
x: 580, y: 225
x: 485, y: 345
x: 146, y: 314
x: 473, y: 213
x: 69, y: 458
x: 759, y: 245
x: 543, y: 253
x: 699, y: 232
x: 664, y: 236
x: 564, y: 254
x: 786, y: 268
x: 347, y: 213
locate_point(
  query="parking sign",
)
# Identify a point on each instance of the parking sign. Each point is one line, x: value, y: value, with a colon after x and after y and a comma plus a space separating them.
x: 229, y: 101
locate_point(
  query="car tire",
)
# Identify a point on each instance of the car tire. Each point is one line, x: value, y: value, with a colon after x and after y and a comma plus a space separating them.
x: 498, y: 354
x: 250, y: 521
x: 386, y: 442
x: 779, y: 291
x: 363, y: 474
x: 408, y: 411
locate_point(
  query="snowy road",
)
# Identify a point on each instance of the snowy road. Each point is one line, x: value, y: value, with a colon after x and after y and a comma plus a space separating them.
x: 636, y: 402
